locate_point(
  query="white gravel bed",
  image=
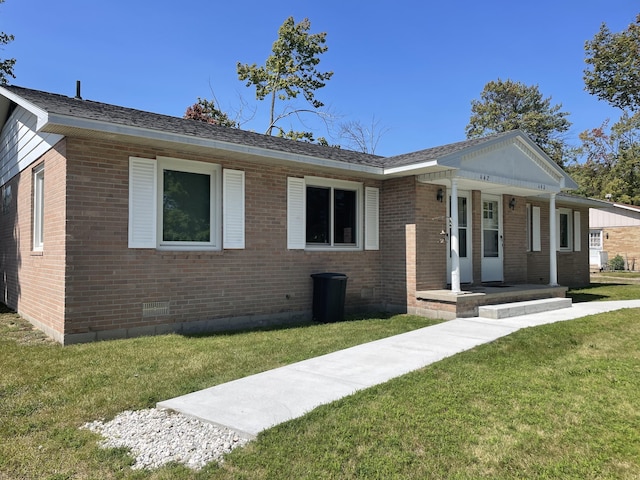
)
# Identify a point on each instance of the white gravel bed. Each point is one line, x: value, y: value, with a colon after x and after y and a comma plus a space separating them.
x: 157, y: 437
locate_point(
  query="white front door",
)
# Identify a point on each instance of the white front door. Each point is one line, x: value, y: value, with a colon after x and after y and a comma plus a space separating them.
x: 492, y: 239
x: 464, y: 237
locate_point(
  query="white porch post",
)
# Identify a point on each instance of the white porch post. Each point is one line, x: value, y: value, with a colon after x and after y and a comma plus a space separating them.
x: 553, y: 242
x: 455, y: 244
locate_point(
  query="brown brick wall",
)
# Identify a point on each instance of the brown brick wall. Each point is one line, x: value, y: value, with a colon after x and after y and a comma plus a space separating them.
x: 514, y: 239
x: 107, y: 282
x: 623, y: 241
x: 573, y: 267
x: 397, y: 239
x: 87, y: 282
x: 33, y: 282
x: 432, y: 254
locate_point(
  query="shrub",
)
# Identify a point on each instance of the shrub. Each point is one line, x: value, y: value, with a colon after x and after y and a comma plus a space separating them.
x: 616, y: 263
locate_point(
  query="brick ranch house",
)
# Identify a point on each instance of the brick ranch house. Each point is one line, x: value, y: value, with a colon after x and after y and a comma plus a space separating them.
x: 614, y: 229
x: 119, y: 223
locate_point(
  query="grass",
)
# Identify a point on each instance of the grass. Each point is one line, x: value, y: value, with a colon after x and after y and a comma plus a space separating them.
x: 558, y: 401
x: 606, y: 291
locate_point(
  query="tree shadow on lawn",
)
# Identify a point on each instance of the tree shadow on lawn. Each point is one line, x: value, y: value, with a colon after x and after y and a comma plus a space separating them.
x: 582, y: 295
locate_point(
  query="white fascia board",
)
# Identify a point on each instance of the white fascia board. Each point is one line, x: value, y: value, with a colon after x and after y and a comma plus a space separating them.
x: 107, y: 127
x: 626, y: 207
x: 41, y: 115
x: 411, y: 169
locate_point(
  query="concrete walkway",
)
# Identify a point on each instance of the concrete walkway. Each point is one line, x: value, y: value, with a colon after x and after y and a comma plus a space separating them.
x: 255, y: 403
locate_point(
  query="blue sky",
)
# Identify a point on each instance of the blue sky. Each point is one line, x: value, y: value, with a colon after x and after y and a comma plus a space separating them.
x: 413, y: 65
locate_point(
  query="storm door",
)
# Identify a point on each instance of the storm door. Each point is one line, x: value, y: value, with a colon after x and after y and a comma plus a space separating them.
x: 464, y: 237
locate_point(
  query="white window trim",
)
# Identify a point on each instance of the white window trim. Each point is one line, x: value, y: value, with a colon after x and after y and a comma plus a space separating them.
x: 190, y: 166
x: 341, y: 185
x: 595, y: 234
x: 145, y: 204
x: 38, y: 208
x: 367, y: 212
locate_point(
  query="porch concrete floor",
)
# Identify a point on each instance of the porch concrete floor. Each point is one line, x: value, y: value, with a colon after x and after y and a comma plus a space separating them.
x: 494, y: 292
x: 467, y: 302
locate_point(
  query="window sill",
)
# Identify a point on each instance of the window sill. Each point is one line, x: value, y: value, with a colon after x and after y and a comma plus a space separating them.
x: 310, y: 248
x: 171, y: 248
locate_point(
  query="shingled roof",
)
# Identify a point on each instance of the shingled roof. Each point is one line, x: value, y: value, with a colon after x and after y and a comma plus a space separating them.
x: 56, y: 104
x: 102, y: 112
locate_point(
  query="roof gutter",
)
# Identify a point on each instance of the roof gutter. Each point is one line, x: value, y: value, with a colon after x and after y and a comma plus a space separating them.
x: 57, y: 120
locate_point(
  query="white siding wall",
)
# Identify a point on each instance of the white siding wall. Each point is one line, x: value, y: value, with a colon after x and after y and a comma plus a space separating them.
x: 613, y: 217
x: 20, y: 144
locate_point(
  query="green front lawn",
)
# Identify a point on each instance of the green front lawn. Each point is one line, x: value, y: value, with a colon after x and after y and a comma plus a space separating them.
x: 557, y: 401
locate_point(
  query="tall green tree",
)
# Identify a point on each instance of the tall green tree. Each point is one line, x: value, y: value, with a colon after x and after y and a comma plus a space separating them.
x: 508, y: 105
x: 613, y: 72
x: 289, y: 71
x: 6, y: 66
x: 610, y: 166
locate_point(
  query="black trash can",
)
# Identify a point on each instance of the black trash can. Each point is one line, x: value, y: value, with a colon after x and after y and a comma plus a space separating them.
x: 328, y: 296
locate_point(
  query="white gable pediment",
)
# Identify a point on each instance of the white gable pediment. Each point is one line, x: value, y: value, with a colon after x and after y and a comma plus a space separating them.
x: 511, y: 161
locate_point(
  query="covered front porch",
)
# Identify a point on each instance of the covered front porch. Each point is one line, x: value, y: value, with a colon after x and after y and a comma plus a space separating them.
x: 485, y: 191
x: 447, y: 304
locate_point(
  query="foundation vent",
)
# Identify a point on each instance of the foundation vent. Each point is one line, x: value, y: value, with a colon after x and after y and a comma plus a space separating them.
x: 154, y: 309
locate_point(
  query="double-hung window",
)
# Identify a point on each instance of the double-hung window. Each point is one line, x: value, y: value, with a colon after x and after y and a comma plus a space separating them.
x: 38, y: 208
x: 332, y: 216
x: 595, y: 239
x: 565, y: 229
x: 188, y: 203
x: 325, y: 214
x: 177, y: 204
x: 568, y: 230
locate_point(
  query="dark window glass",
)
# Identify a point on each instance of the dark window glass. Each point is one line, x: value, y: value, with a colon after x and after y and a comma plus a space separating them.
x: 186, y: 200
x: 344, y: 221
x: 318, y: 217
x: 564, y: 230
x: 490, y: 243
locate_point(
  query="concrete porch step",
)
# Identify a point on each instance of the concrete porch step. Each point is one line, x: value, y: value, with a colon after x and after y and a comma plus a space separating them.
x: 515, y: 309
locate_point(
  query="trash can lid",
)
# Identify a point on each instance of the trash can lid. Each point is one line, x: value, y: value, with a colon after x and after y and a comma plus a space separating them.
x: 328, y: 275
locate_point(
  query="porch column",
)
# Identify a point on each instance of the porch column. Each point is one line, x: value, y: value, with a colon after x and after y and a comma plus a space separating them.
x: 455, y: 244
x: 553, y: 261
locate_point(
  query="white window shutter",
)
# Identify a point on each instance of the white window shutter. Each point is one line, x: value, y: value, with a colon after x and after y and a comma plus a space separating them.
x: 296, y: 221
x: 233, y: 209
x: 535, y: 219
x: 577, y: 245
x: 371, y: 218
x: 142, y: 203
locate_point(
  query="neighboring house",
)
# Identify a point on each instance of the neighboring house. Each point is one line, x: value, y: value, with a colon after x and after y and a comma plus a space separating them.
x: 118, y: 222
x: 614, y: 229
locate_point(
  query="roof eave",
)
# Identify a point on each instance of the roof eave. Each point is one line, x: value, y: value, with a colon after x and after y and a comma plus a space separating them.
x: 58, y: 123
x: 41, y: 115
